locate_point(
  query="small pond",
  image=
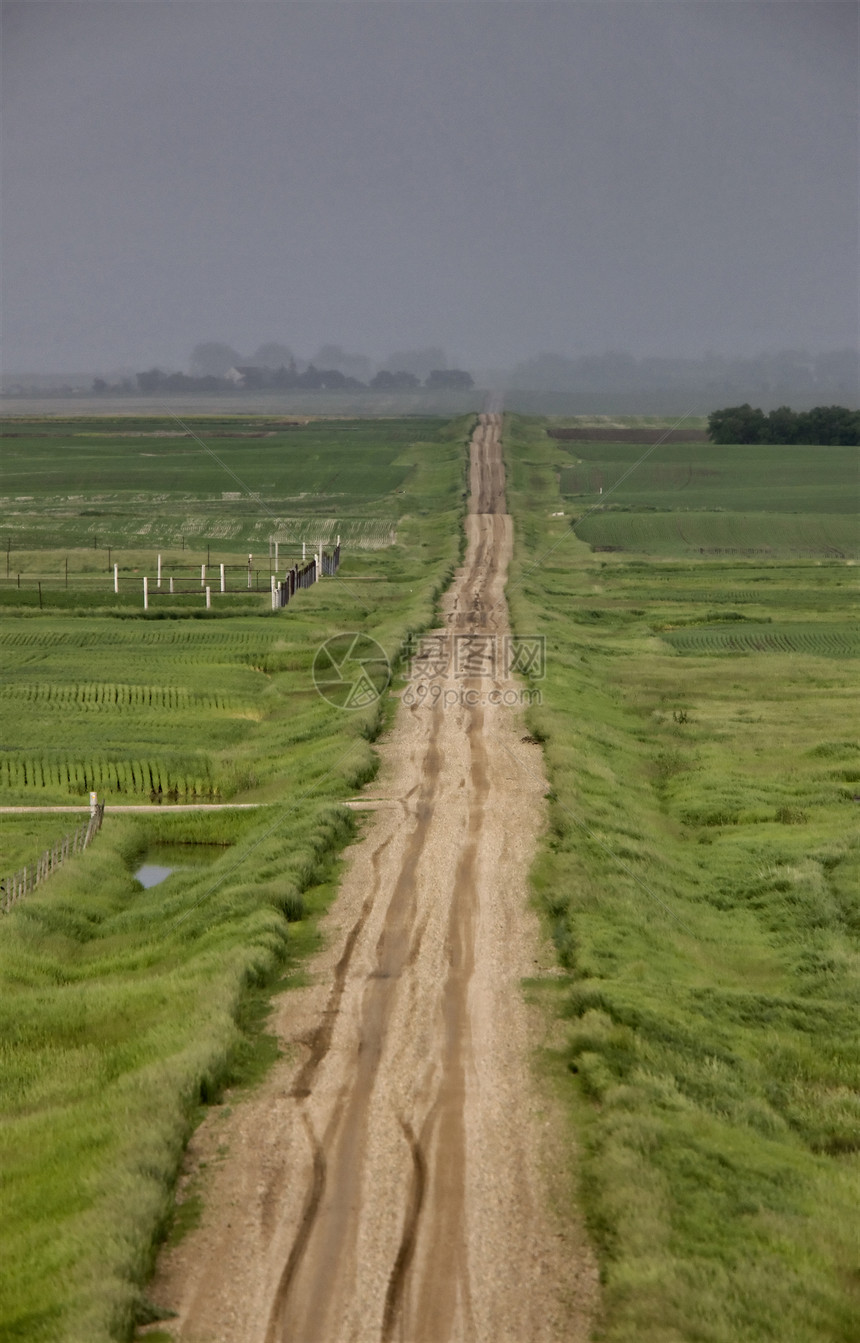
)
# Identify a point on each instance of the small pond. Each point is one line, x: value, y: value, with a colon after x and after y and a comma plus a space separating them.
x: 160, y: 860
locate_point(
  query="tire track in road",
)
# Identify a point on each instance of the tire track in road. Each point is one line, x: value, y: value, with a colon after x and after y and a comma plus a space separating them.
x: 406, y: 1249
x: 304, y: 1309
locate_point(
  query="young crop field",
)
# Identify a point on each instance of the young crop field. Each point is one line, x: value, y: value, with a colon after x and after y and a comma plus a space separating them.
x: 701, y: 476
x: 823, y: 639
x: 226, y: 483
x: 124, y: 1009
x: 701, y: 879
x: 830, y: 535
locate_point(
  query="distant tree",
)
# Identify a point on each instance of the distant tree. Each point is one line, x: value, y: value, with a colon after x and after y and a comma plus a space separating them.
x: 825, y: 426
x: 386, y: 381
x: 420, y: 362
x: 286, y: 377
x: 151, y: 381
x: 255, y: 378
x: 782, y: 426
x: 449, y: 377
x: 272, y: 355
x: 335, y: 357
x: 311, y: 379
x: 212, y: 359
x: 829, y: 425
x: 99, y: 386
x: 737, y: 424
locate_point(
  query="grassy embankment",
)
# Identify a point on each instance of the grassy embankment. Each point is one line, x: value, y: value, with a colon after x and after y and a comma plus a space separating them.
x: 701, y: 879
x: 122, y: 1009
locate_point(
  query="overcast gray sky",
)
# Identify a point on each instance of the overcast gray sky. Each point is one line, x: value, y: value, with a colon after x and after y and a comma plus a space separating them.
x: 497, y: 178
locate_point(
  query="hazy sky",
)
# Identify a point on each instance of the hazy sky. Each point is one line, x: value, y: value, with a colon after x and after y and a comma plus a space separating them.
x: 497, y: 178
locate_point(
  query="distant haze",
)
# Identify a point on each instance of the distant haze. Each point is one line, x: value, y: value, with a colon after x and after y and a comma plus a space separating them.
x: 368, y: 180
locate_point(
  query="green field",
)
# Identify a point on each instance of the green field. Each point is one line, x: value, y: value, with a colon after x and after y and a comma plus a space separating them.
x: 829, y: 535
x: 694, y: 476
x: 122, y: 1009
x: 701, y: 879
x: 699, y: 499
x: 141, y: 484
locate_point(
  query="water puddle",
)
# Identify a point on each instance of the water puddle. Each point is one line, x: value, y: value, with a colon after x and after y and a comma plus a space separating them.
x: 161, y: 860
x: 150, y: 874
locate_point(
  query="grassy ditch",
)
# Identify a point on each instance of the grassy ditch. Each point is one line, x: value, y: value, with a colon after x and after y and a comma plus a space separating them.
x: 123, y: 1010
x: 700, y: 879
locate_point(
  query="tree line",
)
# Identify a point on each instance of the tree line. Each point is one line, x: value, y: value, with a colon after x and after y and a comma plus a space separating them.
x: 215, y: 367
x: 822, y: 425
x: 250, y: 378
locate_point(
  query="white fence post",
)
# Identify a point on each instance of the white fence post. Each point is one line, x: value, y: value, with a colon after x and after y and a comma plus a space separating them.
x: 116, y: 578
x: 223, y: 581
x: 208, y: 598
x: 146, y: 594
x: 171, y: 582
x: 203, y: 575
x: 158, y: 580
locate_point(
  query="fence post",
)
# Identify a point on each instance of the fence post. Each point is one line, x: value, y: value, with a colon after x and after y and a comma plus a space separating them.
x: 208, y: 598
x: 146, y: 594
x: 159, y: 572
x: 203, y: 575
x: 171, y: 582
x: 223, y: 580
x: 116, y: 578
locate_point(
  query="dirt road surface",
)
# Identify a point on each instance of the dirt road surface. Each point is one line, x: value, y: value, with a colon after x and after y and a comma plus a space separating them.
x: 390, y: 1181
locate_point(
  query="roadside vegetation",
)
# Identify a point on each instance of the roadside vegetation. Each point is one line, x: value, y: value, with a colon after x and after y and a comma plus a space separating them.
x: 124, y: 1010
x: 701, y: 880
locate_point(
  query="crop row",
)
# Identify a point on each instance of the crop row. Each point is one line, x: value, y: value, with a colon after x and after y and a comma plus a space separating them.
x: 828, y: 641
x: 170, y: 635
x: 183, y: 777
x: 99, y: 695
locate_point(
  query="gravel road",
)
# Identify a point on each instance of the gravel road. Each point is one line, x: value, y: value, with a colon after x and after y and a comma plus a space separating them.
x: 393, y: 1179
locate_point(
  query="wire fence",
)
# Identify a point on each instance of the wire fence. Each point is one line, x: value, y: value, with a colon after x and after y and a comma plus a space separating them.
x: 19, y: 884
x: 182, y: 580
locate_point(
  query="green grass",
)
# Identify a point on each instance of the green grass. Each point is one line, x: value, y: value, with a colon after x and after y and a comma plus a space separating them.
x: 700, y: 499
x: 830, y: 535
x: 23, y: 839
x: 124, y: 1010
x: 700, y: 878
x: 144, y: 484
x: 748, y: 478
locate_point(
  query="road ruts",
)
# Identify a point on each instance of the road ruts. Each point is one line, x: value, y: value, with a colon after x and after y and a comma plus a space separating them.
x: 386, y: 1184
